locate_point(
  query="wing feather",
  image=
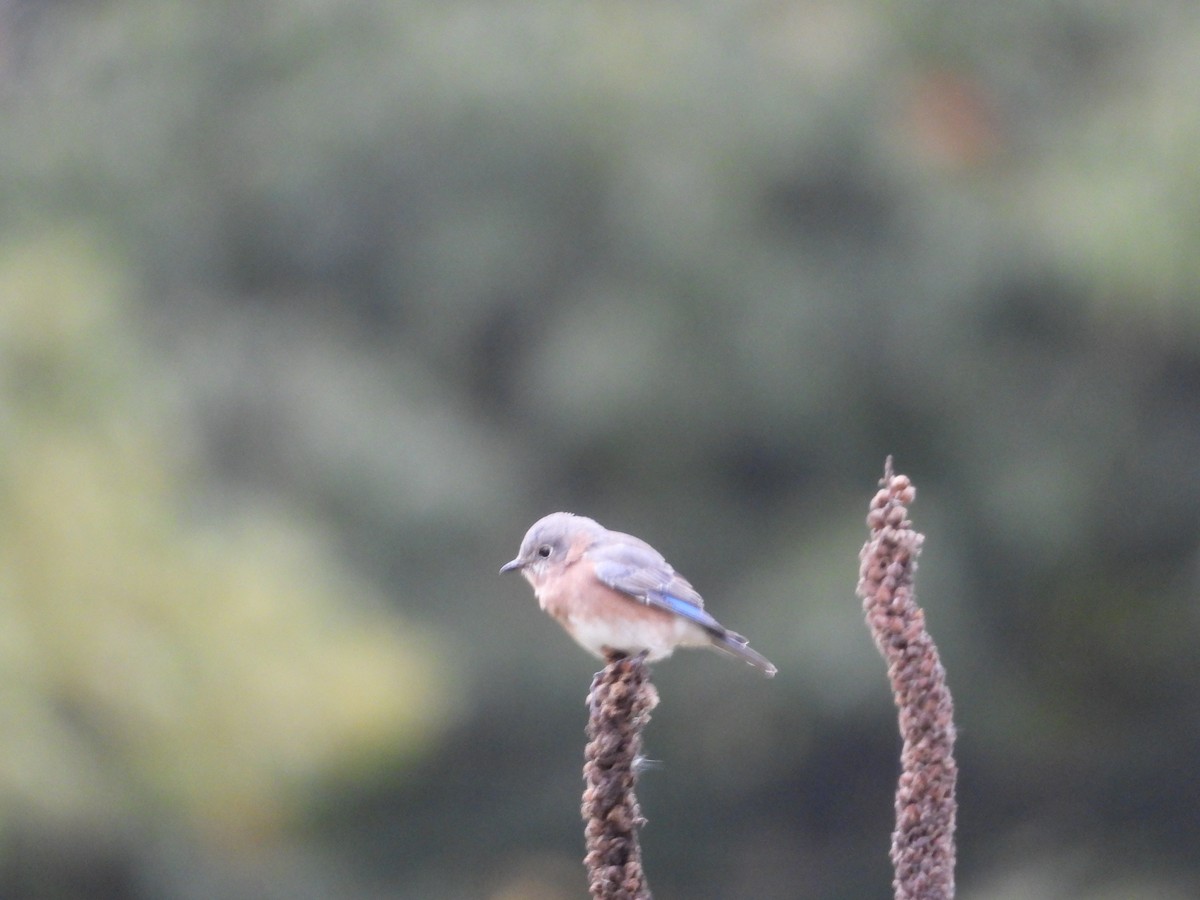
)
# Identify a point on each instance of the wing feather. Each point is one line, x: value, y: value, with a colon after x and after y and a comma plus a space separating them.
x: 631, y: 566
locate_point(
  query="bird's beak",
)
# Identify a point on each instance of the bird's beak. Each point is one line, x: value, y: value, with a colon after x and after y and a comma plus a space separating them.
x: 512, y: 566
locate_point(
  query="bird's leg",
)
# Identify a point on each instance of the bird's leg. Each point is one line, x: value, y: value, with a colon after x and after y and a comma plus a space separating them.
x: 611, y: 656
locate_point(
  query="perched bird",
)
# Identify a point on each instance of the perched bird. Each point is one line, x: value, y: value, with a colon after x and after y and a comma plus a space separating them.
x: 613, y: 592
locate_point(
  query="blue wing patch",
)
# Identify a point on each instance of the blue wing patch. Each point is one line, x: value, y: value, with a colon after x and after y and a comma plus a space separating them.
x: 689, y: 611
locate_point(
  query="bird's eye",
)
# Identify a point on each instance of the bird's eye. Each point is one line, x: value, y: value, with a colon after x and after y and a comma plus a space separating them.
x: 544, y: 551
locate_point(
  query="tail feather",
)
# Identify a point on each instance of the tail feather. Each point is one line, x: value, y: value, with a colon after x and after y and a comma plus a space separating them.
x: 733, y: 644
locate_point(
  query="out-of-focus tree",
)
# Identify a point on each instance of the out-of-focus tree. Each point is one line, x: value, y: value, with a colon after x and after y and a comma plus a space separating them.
x: 169, y: 655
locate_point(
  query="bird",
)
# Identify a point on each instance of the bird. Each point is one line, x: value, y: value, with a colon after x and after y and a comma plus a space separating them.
x: 615, y: 594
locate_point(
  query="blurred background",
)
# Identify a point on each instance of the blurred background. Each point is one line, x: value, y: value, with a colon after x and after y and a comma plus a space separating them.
x: 309, y: 309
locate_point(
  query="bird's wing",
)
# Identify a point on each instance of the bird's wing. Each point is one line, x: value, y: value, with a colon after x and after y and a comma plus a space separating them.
x: 631, y: 566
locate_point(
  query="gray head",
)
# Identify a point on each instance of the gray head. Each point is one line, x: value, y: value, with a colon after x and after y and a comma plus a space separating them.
x: 548, y: 540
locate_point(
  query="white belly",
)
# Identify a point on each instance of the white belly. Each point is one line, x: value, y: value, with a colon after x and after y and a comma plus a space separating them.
x: 657, y: 636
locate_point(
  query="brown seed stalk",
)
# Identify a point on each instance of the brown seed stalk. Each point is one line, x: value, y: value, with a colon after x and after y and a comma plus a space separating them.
x: 619, y: 702
x: 923, y: 842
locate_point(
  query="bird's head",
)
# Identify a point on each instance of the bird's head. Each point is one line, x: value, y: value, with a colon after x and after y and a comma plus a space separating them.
x: 547, y: 542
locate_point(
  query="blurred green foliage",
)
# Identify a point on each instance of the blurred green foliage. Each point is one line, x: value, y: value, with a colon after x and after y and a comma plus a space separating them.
x: 165, y: 656
x: 290, y: 291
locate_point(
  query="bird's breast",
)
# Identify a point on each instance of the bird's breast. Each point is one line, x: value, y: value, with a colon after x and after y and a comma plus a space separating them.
x: 601, y: 618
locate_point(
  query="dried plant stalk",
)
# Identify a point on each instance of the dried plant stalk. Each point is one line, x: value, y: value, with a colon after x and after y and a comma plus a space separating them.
x: 923, y: 842
x: 619, y: 702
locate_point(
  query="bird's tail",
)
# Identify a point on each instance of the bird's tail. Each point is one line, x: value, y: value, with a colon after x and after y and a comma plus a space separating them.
x: 734, y: 644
